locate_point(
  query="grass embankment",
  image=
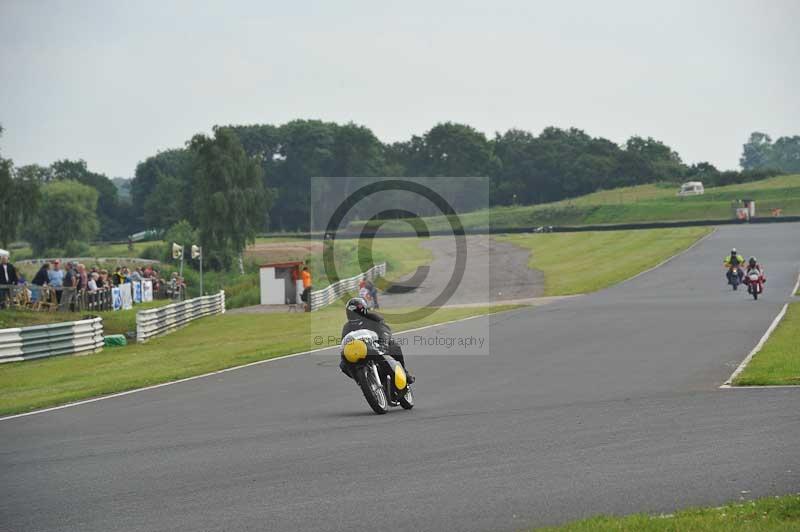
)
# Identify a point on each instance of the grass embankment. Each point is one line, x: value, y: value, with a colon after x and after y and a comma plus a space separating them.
x: 644, y: 203
x: 576, y: 263
x: 778, y: 362
x: 208, y: 344
x: 764, y: 515
x: 114, y: 322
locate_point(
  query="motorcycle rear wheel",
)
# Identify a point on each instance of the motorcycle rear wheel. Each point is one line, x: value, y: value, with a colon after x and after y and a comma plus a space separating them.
x: 373, y: 391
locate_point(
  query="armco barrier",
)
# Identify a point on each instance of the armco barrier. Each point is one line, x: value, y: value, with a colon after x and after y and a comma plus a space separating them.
x: 162, y: 320
x: 326, y: 296
x: 38, y: 341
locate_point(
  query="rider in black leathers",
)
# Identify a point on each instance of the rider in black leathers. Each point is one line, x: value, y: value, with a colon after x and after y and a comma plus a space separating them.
x: 360, y: 317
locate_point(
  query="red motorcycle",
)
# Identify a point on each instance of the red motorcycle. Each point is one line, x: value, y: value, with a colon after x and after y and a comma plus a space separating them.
x: 754, y: 280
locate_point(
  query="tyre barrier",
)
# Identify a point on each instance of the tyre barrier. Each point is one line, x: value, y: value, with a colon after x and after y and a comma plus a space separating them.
x: 39, y: 341
x: 163, y: 320
x: 326, y: 296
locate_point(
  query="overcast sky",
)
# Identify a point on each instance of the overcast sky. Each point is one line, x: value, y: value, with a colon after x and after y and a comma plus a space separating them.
x: 113, y: 82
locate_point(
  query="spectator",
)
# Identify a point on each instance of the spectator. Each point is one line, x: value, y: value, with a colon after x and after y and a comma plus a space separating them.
x: 8, y: 276
x: 363, y: 293
x: 103, y: 281
x: 93, y: 281
x: 117, y: 277
x: 373, y: 293
x: 55, y: 278
x: 135, y: 275
x: 172, y: 286
x: 83, y: 277
x: 124, y: 275
x: 42, y: 278
x: 305, y: 275
x: 69, y: 276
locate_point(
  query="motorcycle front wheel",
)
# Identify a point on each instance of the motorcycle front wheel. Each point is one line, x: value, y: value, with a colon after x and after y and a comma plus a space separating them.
x: 407, y: 399
x: 373, y: 391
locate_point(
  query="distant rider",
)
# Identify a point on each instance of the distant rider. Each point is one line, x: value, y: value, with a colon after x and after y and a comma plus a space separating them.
x: 360, y: 317
x: 732, y: 262
x: 753, y: 265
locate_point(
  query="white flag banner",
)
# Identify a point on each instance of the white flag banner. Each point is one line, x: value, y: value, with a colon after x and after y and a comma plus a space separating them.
x: 137, y: 291
x: 126, y: 295
x: 147, y: 290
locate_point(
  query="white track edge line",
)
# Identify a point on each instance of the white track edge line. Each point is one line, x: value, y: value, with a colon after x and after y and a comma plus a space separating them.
x: 676, y: 255
x: 225, y: 370
x: 757, y: 348
x: 796, y: 286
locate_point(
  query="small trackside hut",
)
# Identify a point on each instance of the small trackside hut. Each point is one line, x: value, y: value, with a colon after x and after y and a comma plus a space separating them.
x: 280, y: 283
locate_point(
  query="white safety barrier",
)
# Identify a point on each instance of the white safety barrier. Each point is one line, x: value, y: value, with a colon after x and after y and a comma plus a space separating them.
x: 326, y: 296
x: 38, y: 341
x: 162, y: 320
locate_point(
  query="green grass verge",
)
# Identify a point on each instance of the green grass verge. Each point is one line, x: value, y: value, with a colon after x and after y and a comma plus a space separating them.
x: 206, y: 345
x: 401, y: 255
x: 114, y: 322
x: 778, y: 362
x: 95, y: 250
x: 763, y: 515
x: 576, y: 263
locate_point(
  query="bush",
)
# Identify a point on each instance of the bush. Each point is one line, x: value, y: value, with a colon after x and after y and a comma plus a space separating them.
x: 153, y: 252
x: 76, y: 248
x: 181, y: 233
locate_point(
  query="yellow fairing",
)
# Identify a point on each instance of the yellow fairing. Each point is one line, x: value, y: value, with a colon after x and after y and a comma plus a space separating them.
x: 355, y: 351
x: 399, y: 377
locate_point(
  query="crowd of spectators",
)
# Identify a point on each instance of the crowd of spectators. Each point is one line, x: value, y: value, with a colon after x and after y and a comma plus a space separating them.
x: 77, y: 276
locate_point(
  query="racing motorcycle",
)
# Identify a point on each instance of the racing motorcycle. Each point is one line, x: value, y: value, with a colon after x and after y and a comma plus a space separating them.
x: 755, y: 283
x: 734, y: 277
x: 381, y: 378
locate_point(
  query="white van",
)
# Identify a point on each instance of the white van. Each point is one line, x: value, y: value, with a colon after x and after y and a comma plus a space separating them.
x: 691, y: 188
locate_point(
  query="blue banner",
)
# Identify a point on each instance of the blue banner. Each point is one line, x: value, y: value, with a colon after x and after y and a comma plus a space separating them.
x: 137, y: 291
x: 117, y: 298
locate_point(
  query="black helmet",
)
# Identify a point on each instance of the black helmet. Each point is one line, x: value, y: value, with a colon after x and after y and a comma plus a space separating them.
x: 753, y: 261
x: 733, y: 251
x: 356, y: 308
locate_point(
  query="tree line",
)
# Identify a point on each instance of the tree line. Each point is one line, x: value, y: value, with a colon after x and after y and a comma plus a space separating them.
x: 246, y: 179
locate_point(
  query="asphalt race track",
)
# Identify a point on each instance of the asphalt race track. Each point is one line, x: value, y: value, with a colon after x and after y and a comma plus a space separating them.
x: 607, y: 403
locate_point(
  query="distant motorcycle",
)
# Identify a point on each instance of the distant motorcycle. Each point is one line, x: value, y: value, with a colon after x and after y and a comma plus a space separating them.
x: 734, y: 277
x: 755, y: 283
x: 382, y: 379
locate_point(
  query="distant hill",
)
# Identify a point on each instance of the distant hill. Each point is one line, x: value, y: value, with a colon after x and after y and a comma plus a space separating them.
x: 643, y: 203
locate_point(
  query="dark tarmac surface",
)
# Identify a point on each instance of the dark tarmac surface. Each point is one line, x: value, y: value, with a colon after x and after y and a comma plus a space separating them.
x: 607, y: 403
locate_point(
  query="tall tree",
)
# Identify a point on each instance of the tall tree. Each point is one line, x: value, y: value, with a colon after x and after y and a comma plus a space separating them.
x: 757, y: 152
x: 67, y: 212
x: 786, y: 154
x: 230, y: 200
x: 162, y: 208
x: 112, y: 224
x: 664, y: 162
x: 176, y: 163
x: 18, y: 200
